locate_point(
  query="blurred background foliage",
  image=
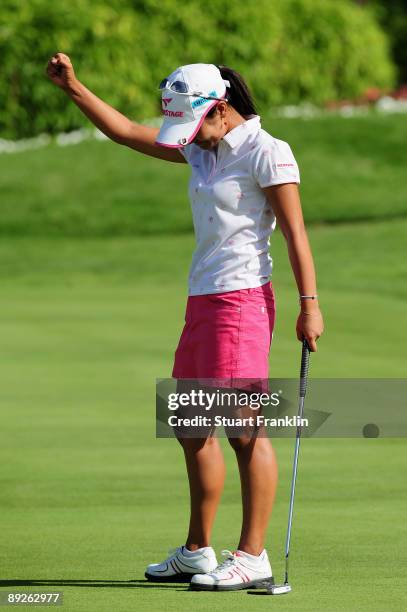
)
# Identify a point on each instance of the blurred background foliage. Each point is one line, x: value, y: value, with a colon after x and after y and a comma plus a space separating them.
x: 392, y: 15
x: 288, y: 50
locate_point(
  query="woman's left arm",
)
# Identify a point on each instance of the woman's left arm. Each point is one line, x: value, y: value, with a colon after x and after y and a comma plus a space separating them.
x: 285, y: 202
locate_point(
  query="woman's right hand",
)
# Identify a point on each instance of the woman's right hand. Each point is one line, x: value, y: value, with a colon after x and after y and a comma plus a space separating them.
x: 61, y: 72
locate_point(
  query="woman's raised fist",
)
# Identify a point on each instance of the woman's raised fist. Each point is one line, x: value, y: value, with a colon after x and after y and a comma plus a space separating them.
x: 60, y: 71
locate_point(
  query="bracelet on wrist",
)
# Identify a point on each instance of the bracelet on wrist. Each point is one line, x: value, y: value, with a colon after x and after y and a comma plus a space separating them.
x: 307, y: 297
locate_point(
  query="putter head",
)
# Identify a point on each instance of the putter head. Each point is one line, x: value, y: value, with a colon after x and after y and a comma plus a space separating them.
x: 279, y: 589
x: 269, y: 588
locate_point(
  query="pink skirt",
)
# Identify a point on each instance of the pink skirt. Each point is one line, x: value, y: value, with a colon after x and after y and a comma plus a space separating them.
x: 227, y: 335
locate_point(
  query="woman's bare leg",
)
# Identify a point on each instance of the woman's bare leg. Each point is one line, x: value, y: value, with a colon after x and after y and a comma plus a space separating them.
x: 258, y: 476
x: 206, y: 474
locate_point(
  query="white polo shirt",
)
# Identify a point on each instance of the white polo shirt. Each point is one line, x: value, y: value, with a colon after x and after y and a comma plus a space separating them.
x: 232, y: 219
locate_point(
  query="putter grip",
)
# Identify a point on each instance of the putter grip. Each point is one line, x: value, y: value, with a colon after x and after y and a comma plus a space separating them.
x: 304, y: 368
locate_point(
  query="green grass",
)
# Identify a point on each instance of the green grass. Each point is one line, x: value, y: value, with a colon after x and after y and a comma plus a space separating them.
x: 351, y: 169
x: 89, y: 496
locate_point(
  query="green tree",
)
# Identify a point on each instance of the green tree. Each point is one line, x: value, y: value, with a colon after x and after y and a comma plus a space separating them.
x: 288, y: 50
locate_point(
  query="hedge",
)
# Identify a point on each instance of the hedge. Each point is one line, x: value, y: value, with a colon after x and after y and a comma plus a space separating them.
x: 288, y: 50
x: 392, y: 15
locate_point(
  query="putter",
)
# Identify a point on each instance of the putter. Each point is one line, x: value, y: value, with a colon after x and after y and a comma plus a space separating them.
x: 282, y: 589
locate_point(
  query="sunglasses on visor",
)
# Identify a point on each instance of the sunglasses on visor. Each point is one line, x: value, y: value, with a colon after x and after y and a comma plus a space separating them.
x: 182, y: 88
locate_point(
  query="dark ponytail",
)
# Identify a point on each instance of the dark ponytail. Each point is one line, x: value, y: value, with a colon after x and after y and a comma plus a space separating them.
x: 238, y: 94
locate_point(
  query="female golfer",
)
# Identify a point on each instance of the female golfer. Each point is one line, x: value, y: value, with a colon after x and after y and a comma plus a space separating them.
x: 243, y: 180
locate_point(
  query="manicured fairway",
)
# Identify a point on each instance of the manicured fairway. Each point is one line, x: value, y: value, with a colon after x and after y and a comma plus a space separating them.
x: 89, y: 496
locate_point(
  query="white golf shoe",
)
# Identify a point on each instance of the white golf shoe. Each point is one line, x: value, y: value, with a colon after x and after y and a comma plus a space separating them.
x: 239, y: 571
x: 182, y: 564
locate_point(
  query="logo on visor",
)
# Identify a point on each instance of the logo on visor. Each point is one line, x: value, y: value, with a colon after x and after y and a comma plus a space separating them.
x: 200, y: 101
x: 170, y: 113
